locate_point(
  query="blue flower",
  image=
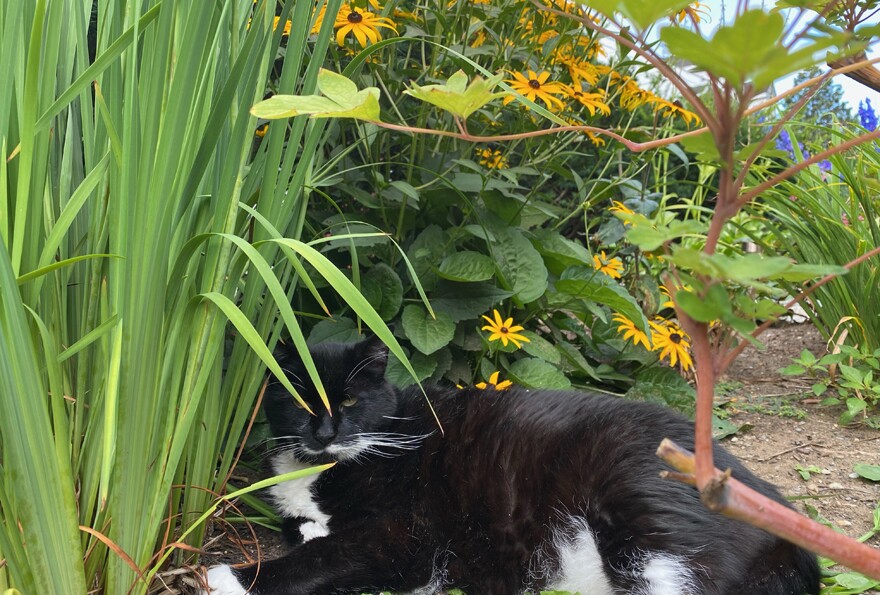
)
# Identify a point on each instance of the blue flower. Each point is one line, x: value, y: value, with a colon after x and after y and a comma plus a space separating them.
x: 783, y: 142
x: 867, y: 116
x: 825, y: 165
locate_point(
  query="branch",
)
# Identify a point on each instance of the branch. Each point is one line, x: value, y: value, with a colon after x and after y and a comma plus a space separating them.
x: 840, y: 70
x: 732, y: 498
x: 781, y: 177
x: 463, y: 135
x: 867, y: 75
x: 673, y: 77
x: 734, y: 352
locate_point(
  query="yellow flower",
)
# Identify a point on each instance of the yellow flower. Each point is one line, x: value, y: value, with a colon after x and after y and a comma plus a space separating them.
x: 619, y: 207
x: 479, y: 38
x: 671, y: 342
x: 504, y: 330
x: 630, y: 331
x: 579, y: 70
x: 674, y: 108
x: 609, y: 266
x: 362, y: 23
x: 695, y: 11
x: 592, y: 101
x: 493, y: 380
x: 262, y: 130
x: 667, y: 303
x: 277, y: 20
x: 535, y: 87
x: 492, y: 159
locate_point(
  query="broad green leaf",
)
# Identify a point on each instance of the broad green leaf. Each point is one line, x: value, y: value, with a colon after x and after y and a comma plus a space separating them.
x: 456, y: 96
x: 537, y: 373
x: 520, y: 265
x: 541, y: 348
x: 871, y: 472
x: 462, y: 301
x: 425, y: 333
x: 856, y: 581
x: 341, y: 100
x: 602, y: 290
x: 804, y: 272
x: 467, y: 266
x: 337, y: 330
x: 736, y: 51
x: 652, y: 236
x: 424, y: 365
x: 560, y: 252
x: 384, y: 290
x: 701, y: 310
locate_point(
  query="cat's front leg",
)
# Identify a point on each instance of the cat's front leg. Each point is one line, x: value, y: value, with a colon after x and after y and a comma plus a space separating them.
x: 367, y: 558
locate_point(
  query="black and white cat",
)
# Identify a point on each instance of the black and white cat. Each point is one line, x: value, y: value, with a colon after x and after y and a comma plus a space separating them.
x: 526, y: 490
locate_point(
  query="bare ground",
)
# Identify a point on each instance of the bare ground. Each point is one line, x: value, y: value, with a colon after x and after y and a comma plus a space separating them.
x: 783, y: 428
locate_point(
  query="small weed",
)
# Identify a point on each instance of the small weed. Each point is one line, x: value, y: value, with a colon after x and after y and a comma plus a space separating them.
x: 806, y: 472
x: 850, y: 377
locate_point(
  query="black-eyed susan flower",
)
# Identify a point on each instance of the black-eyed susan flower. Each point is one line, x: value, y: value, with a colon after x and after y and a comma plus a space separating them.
x: 536, y: 86
x: 504, y: 330
x: 671, y: 342
x: 610, y: 266
x: 492, y: 159
x: 493, y: 381
x: 674, y: 108
x: 631, y: 331
x: 594, y: 102
x: 363, y: 24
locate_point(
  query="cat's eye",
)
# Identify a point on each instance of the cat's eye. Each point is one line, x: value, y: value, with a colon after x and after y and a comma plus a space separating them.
x: 348, y: 402
x: 297, y: 403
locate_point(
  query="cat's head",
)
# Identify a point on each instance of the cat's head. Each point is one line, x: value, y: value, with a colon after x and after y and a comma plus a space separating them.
x: 362, y: 402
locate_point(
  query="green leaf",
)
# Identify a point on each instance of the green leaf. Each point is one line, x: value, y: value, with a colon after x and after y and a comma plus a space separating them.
x: 425, y: 333
x: 792, y: 370
x: 853, y: 580
x: 871, y: 472
x: 520, y: 265
x: 337, y: 330
x: 722, y: 428
x: 341, y: 100
x: 541, y: 348
x: 736, y: 52
x: 396, y: 374
x: 385, y: 291
x: 456, y: 96
x: 463, y: 301
x: 582, y: 283
x: 537, y: 373
x: 467, y: 266
x: 651, y: 236
x: 701, y: 310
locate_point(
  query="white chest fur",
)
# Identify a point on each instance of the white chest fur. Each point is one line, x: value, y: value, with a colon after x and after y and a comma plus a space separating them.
x: 295, y: 498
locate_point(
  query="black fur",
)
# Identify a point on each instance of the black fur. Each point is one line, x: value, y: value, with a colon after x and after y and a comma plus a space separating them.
x: 480, y: 505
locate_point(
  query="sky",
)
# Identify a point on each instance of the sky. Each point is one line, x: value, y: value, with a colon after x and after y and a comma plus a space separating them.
x: 854, y: 92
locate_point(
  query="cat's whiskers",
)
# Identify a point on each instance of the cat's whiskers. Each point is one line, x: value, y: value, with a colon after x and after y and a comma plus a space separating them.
x: 357, y: 446
x: 361, y: 365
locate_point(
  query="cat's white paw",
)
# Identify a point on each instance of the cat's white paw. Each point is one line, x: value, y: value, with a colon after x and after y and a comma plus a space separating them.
x: 221, y: 581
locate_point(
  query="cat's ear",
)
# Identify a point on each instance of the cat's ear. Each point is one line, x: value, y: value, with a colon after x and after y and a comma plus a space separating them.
x: 286, y: 354
x: 375, y: 352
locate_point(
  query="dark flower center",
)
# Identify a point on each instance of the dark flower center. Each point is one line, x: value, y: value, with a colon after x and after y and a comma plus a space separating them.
x: 675, y: 338
x: 534, y: 84
x: 354, y: 17
x: 504, y: 330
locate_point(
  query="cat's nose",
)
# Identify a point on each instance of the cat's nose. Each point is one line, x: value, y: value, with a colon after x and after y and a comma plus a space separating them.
x: 325, y: 434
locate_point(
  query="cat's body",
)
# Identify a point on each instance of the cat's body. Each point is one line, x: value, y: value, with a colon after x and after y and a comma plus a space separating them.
x: 524, y: 491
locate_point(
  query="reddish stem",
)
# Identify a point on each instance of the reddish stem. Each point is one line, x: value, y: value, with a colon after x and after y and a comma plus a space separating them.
x: 732, y: 498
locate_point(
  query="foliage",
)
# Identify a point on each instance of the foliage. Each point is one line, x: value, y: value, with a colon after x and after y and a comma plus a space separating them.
x: 824, y: 108
x: 846, y: 377
x: 135, y: 211
x: 833, y: 216
x: 489, y: 229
